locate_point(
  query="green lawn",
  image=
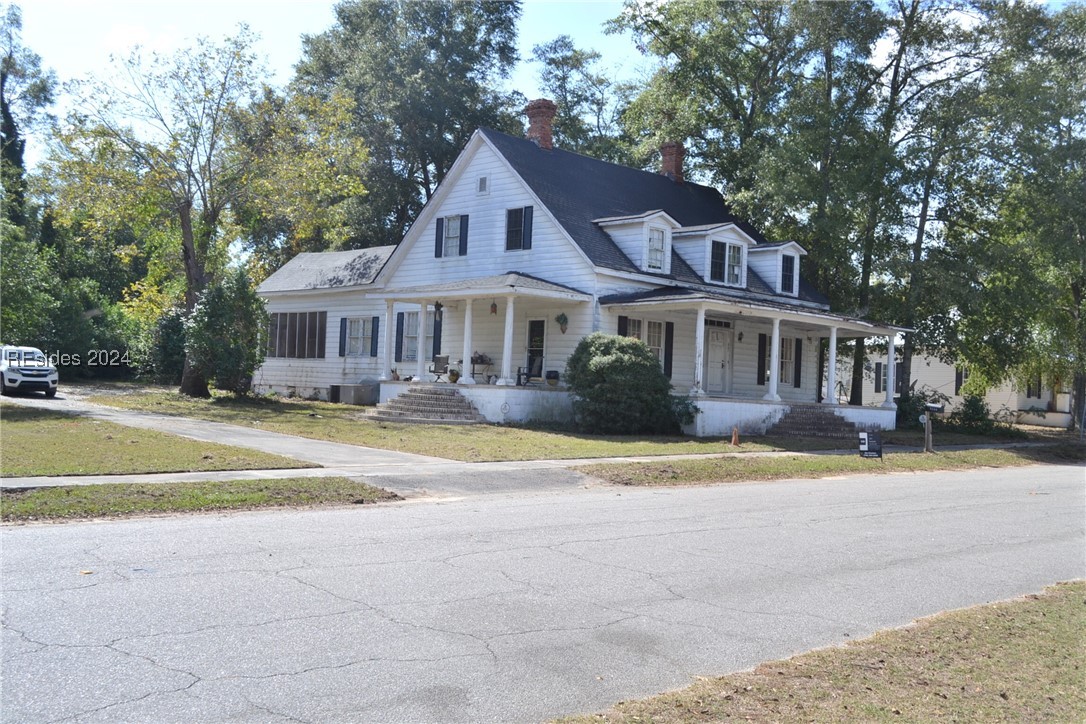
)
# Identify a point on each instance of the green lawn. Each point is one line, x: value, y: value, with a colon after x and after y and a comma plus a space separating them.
x: 121, y: 500
x: 44, y: 442
x: 1022, y: 660
x: 755, y: 468
x: 469, y: 443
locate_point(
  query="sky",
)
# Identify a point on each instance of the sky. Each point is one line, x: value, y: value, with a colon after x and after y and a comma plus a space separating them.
x: 77, y: 37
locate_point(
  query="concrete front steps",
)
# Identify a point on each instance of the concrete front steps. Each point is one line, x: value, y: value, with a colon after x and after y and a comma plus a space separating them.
x: 813, y: 421
x: 431, y: 404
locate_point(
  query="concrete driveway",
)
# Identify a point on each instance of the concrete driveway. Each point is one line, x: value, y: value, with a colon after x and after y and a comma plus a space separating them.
x: 503, y: 608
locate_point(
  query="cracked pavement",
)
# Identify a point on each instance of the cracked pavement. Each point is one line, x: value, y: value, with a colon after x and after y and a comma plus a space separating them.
x: 503, y: 607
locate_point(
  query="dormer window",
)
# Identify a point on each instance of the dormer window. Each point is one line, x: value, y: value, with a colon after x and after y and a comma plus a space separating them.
x: 654, y: 260
x: 788, y: 274
x: 726, y: 263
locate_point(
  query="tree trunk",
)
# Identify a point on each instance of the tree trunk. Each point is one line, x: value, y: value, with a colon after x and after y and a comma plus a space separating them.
x: 916, y: 282
x: 193, y: 384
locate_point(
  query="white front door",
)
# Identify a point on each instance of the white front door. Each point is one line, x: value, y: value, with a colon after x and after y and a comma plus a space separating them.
x: 718, y: 361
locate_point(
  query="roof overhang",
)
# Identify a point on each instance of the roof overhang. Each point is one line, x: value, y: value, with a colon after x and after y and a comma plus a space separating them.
x: 682, y: 299
x: 502, y: 285
x: 637, y: 219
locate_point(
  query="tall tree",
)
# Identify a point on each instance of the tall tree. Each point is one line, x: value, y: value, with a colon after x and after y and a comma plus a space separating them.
x: 155, y: 140
x: 590, y: 104
x: 26, y: 91
x: 423, y: 77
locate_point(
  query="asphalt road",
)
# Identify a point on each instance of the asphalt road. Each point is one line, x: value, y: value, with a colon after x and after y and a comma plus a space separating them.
x: 503, y: 607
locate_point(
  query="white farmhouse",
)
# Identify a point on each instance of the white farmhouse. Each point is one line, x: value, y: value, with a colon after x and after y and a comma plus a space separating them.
x: 523, y: 250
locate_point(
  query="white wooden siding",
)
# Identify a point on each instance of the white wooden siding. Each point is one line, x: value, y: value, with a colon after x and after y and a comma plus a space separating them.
x: 552, y: 256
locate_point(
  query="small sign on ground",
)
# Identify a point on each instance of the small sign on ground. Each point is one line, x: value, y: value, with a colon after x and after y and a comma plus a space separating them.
x: 870, y: 445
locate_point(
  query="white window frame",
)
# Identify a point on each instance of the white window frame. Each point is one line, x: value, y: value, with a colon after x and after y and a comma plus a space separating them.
x: 359, y: 335
x: 794, y: 291
x: 787, y: 360
x: 450, y: 245
x: 642, y: 329
x: 412, y: 335
x: 656, y: 252
x: 739, y: 267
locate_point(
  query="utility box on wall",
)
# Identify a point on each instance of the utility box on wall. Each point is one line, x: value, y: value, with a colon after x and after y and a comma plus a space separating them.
x: 360, y: 394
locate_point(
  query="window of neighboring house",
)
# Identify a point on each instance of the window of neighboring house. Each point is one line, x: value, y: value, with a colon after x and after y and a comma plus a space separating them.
x: 655, y: 259
x: 788, y: 274
x: 298, y: 335
x: 899, y: 382
x: 518, y: 229
x: 358, y: 337
x: 452, y: 236
x: 1033, y: 387
x: 410, y: 336
x: 961, y: 375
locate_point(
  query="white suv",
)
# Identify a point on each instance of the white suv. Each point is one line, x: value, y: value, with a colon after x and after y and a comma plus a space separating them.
x: 26, y: 368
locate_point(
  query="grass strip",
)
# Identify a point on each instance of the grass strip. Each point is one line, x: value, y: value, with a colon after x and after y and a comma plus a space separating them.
x: 1020, y: 660
x: 469, y: 443
x: 45, y: 442
x: 734, y: 469
x: 116, y: 500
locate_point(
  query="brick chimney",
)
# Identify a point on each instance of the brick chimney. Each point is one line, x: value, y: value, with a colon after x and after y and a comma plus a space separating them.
x: 540, y: 114
x: 671, y: 164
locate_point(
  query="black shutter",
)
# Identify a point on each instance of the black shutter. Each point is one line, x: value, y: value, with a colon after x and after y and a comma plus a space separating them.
x: 437, y: 335
x: 439, y: 238
x: 878, y: 377
x: 623, y: 326
x: 399, y: 337
x: 342, y: 336
x: 669, y: 347
x: 798, y: 363
x: 761, y: 360
x: 375, y: 327
x: 958, y: 379
x: 464, y: 235
x: 527, y: 240
x: 322, y: 333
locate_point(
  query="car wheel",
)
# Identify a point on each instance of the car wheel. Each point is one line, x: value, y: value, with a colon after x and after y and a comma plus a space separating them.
x: 51, y: 393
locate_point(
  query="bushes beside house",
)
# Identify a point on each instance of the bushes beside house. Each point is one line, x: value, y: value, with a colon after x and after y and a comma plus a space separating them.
x: 619, y: 388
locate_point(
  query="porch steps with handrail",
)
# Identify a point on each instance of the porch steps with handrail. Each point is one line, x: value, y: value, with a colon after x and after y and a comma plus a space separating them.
x: 429, y: 404
x: 813, y: 421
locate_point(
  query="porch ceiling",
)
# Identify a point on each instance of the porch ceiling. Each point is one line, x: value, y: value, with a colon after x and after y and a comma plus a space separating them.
x: 689, y: 300
x: 501, y: 285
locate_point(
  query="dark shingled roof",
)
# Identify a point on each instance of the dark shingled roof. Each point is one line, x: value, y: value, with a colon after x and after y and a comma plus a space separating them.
x: 328, y: 270
x: 577, y: 189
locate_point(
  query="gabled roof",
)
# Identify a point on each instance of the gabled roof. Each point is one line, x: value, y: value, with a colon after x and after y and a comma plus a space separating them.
x: 577, y: 189
x: 328, y: 270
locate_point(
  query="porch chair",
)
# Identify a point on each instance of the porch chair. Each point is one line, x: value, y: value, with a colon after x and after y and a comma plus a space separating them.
x: 440, y: 367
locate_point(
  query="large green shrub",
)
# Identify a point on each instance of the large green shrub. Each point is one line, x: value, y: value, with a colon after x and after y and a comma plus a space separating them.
x: 619, y: 388
x: 224, y: 335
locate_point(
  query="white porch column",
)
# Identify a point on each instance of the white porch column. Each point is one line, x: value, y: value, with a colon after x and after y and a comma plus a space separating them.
x: 831, y: 377
x: 420, y: 353
x: 891, y: 368
x: 465, y: 366
x: 774, y: 363
x: 386, y: 354
x: 507, y: 346
x: 698, y: 390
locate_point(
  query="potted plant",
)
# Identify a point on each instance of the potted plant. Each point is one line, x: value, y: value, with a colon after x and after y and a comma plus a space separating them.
x: 563, y: 321
x: 454, y: 375
x: 552, y: 378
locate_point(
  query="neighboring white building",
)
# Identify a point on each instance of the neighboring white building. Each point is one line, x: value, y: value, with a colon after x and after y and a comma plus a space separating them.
x: 1034, y: 405
x: 521, y: 235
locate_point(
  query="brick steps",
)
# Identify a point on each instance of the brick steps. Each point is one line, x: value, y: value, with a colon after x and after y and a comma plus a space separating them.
x: 813, y: 421
x: 428, y: 405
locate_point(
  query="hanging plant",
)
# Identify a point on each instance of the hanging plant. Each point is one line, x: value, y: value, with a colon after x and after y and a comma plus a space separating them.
x: 563, y: 321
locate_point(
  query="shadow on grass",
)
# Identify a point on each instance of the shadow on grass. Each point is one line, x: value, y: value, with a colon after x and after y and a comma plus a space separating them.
x: 1052, y: 454
x: 18, y: 413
